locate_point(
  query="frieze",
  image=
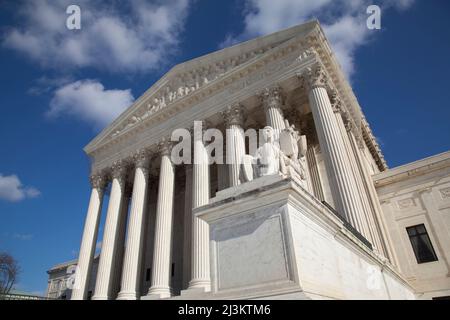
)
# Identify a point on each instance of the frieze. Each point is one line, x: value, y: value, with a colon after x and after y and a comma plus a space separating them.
x: 406, y: 203
x: 186, y: 83
x: 445, y: 193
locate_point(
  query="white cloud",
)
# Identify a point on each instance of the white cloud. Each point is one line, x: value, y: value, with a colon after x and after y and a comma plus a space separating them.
x: 47, y: 84
x: 90, y: 101
x: 343, y: 21
x: 11, y: 189
x: 115, y: 36
x: 346, y: 35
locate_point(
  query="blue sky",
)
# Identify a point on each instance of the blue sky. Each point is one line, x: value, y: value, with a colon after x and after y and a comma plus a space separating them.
x: 60, y: 87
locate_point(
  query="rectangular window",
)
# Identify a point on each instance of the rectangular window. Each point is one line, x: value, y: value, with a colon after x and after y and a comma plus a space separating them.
x: 147, y: 275
x: 421, y: 243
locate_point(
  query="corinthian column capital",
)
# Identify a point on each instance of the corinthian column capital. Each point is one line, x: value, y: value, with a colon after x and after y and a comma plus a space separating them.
x: 165, y: 147
x: 272, y: 97
x: 118, y: 171
x: 141, y: 159
x: 335, y: 100
x: 233, y: 115
x: 314, y: 76
x: 98, y: 181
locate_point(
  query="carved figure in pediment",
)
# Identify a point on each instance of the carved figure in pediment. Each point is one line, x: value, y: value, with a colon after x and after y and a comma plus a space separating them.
x: 180, y: 92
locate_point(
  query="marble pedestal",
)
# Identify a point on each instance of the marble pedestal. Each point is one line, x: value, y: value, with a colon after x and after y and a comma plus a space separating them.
x: 270, y: 238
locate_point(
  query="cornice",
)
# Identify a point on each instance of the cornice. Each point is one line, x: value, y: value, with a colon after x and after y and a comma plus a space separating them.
x: 413, y: 169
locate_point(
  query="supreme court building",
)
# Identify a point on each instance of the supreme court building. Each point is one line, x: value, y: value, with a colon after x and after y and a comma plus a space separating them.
x: 331, y: 222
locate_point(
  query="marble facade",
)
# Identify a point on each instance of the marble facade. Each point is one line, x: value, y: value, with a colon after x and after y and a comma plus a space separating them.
x: 204, y: 231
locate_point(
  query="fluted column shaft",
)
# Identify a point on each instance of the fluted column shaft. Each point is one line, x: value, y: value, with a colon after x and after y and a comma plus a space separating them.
x: 160, y: 284
x: 188, y: 224
x: 235, y: 143
x: 133, y: 252
x: 272, y: 101
x: 369, y: 224
x: 120, y: 244
x: 381, y: 233
x: 314, y: 174
x: 364, y: 192
x: 200, y: 240
x: 362, y: 219
x: 89, y: 239
x: 108, y: 255
x: 331, y: 142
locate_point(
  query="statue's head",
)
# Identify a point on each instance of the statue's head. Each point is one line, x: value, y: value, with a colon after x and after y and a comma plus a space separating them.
x: 267, y: 134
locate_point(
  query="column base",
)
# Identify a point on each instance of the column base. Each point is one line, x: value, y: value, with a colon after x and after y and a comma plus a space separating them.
x: 203, y: 285
x: 77, y: 296
x: 99, y: 298
x: 156, y: 293
x: 127, y: 295
x: 194, y: 294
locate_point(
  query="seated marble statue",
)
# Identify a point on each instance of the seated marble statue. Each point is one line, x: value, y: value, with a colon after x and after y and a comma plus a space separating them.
x: 293, y: 147
x: 285, y: 157
x: 268, y: 156
x: 267, y: 159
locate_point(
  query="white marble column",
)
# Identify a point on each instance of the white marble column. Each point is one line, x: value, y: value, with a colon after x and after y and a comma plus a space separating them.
x: 272, y: 101
x: 331, y: 141
x: 235, y: 141
x: 120, y: 242
x: 200, y: 236
x: 160, y: 285
x: 88, y: 242
x: 108, y: 255
x: 133, y: 252
x: 363, y: 225
x: 379, y: 229
x: 188, y: 222
x: 314, y: 175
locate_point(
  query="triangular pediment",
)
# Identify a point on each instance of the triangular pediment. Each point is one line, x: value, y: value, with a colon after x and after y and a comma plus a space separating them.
x: 186, y: 78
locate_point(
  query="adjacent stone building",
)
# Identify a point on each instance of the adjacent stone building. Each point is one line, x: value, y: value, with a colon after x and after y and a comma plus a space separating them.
x: 331, y: 221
